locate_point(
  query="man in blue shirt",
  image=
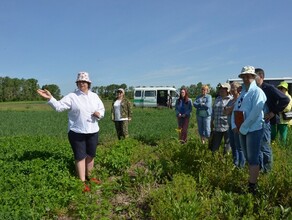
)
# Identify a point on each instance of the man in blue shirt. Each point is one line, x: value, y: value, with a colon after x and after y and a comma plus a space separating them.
x: 276, y: 103
x: 250, y: 105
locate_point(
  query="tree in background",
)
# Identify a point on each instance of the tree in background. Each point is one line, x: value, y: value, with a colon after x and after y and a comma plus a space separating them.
x: 109, y: 92
x: 13, y: 89
x: 195, y: 89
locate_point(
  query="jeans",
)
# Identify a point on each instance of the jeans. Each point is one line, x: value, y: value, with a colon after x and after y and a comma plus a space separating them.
x: 183, y: 124
x: 237, y: 153
x: 266, y: 155
x: 204, y: 126
x: 251, y: 144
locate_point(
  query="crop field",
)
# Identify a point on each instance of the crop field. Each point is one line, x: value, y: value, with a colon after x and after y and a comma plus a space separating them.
x: 147, y: 176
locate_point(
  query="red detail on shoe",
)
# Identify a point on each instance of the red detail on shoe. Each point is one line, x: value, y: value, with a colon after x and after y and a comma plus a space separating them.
x: 96, y: 181
x: 86, y: 188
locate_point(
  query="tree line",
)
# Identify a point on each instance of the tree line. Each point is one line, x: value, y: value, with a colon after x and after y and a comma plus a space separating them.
x: 14, y: 89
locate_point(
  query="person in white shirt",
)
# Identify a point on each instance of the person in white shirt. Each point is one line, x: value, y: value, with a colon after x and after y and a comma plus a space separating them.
x: 121, y: 114
x: 85, y: 109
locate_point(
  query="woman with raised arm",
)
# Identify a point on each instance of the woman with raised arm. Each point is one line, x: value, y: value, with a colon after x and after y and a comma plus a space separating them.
x: 85, y: 109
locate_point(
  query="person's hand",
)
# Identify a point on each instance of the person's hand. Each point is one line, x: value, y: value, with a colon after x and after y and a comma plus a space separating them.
x: 269, y: 116
x: 96, y: 114
x: 227, y: 110
x: 235, y: 130
x: 44, y: 93
x: 179, y: 115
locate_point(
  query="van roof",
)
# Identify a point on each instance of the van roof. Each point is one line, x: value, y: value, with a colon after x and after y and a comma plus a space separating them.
x: 155, y: 87
x: 287, y: 79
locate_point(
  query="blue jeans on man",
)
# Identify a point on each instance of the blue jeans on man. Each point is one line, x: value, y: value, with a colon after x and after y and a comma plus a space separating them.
x: 237, y: 153
x: 251, y: 146
x: 266, y: 154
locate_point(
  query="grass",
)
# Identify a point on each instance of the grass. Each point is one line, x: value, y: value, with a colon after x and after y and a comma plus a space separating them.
x: 148, y: 176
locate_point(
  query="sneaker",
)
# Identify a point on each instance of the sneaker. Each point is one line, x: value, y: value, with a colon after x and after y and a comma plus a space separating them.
x: 86, y: 188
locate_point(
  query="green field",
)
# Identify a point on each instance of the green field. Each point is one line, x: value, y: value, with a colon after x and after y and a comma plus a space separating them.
x: 148, y: 176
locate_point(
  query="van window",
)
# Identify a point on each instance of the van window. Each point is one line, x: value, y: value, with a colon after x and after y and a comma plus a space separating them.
x: 172, y: 93
x: 138, y: 93
x: 150, y: 93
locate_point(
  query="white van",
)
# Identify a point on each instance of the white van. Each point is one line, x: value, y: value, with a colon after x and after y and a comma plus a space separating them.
x: 155, y: 96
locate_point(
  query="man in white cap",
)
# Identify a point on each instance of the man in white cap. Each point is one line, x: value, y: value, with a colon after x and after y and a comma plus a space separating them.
x: 250, y: 105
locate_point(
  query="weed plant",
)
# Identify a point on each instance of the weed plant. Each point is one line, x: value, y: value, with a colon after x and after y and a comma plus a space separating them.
x: 147, y: 176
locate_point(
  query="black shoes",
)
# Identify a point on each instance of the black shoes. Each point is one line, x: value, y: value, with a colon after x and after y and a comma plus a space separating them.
x: 252, y: 188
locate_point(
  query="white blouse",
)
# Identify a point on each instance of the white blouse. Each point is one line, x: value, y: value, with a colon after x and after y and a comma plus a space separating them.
x: 117, y: 111
x: 81, y: 106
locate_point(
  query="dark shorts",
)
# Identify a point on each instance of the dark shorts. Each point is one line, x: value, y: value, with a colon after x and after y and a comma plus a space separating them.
x: 83, y: 145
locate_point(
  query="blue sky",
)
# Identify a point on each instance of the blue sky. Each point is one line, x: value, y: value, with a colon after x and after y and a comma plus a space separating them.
x: 143, y: 42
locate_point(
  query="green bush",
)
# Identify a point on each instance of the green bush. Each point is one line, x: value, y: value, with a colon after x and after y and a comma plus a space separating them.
x: 177, y: 199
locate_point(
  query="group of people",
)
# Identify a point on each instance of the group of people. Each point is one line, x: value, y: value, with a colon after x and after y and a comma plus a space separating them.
x: 85, y: 109
x: 246, y: 116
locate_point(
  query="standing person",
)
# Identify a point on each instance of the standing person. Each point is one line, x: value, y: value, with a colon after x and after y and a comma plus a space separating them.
x: 282, y: 127
x: 203, y: 104
x: 276, y: 103
x: 169, y: 101
x: 121, y: 114
x: 183, y: 109
x: 85, y: 110
x: 219, y: 123
x: 237, y: 153
x: 250, y: 105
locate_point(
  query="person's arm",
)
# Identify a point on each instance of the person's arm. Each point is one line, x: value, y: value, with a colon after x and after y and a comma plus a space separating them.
x: 289, y: 106
x: 59, y: 106
x: 278, y: 100
x: 189, y: 109
x: 177, y: 108
x: 130, y: 112
x: 228, y: 108
x: 208, y: 104
x: 44, y: 93
x: 99, y: 112
x: 197, y: 102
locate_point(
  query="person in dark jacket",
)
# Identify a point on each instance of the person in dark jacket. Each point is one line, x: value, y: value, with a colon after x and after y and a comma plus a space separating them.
x: 183, y: 109
x: 276, y: 103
